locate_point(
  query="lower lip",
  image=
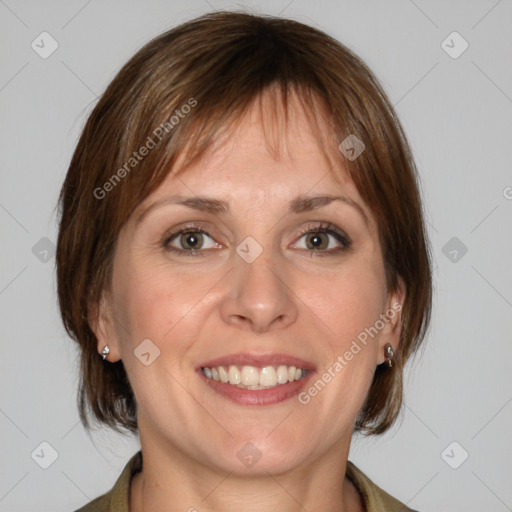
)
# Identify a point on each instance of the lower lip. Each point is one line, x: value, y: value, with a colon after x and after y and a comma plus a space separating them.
x: 269, y: 396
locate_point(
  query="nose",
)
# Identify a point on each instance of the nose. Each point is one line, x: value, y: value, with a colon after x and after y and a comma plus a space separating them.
x: 258, y: 297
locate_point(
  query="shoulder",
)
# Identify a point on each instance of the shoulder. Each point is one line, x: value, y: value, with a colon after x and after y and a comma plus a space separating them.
x: 101, y: 504
x: 116, y: 500
x: 375, y: 499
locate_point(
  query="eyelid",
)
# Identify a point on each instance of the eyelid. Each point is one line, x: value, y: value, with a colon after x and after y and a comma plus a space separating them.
x: 331, y: 229
x: 313, y: 227
x: 187, y: 227
x: 176, y: 234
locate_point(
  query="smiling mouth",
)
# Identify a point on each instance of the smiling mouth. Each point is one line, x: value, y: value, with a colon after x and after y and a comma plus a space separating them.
x: 254, y: 377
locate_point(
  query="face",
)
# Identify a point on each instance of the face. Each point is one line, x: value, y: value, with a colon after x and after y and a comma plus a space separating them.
x: 252, y: 288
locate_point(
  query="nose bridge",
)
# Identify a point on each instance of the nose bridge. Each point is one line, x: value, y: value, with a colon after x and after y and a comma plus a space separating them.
x: 259, y: 297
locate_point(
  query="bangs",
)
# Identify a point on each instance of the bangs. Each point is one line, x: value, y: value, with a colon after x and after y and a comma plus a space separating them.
x: 275, y: 110
x: 205, y: 131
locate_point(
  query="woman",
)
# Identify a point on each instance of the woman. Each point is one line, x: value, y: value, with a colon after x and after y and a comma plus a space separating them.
x: 243, y: 261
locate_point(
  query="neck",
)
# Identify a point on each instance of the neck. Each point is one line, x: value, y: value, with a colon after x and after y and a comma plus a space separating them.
x: 172, y: 482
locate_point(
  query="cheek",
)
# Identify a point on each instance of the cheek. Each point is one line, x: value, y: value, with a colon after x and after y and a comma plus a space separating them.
x: 348, y: 305
x: 158, y: 304
x: 350, y: 301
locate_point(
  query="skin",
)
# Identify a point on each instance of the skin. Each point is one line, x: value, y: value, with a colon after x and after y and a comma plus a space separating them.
x: 289, y: 300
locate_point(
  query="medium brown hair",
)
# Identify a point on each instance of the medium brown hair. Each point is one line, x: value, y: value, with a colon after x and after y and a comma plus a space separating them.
x: 218, y: 65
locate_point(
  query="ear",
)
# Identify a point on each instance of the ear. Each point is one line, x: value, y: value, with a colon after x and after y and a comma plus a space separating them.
x: 101, y: 321
x: 393, y: 320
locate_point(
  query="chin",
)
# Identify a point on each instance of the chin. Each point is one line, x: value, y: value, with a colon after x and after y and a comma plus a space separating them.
x: 259, y: 455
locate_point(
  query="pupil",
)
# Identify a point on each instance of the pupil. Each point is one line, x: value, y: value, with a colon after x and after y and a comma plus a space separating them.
x: 191, y: 240
x: 316, y: 241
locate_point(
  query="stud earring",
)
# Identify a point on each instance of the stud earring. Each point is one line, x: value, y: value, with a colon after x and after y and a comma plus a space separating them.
x: 390, y: 354
x: 105, y: 352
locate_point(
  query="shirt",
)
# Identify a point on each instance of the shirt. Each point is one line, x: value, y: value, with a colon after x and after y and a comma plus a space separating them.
x: 117, y: 499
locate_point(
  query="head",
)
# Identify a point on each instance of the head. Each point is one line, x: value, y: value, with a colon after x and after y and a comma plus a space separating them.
x: 250, y: 111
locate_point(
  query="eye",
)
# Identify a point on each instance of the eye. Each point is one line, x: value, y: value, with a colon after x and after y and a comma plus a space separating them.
x: 190, y: 240
x: 323, y: 238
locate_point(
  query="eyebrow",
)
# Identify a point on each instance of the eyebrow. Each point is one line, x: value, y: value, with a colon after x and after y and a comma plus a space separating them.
x: 300, y: 204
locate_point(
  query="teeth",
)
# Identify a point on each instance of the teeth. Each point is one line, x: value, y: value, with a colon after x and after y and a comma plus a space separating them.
x: 223, y: 374
x: 234, y: 375
x: 282, y: 375
x: 252, y: 377
x: 268, y: 376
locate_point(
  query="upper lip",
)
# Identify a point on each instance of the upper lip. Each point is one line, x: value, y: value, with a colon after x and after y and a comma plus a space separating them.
x: 246, y: 359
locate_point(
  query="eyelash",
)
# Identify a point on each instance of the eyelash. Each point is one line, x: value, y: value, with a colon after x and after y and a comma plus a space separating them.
x: 327, y: 228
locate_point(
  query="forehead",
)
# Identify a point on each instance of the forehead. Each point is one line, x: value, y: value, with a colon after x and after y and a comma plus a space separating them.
x: 272, y: 144
x: 262, y: 164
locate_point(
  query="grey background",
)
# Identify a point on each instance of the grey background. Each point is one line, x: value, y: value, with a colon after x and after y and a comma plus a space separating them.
x: 457, y: 114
